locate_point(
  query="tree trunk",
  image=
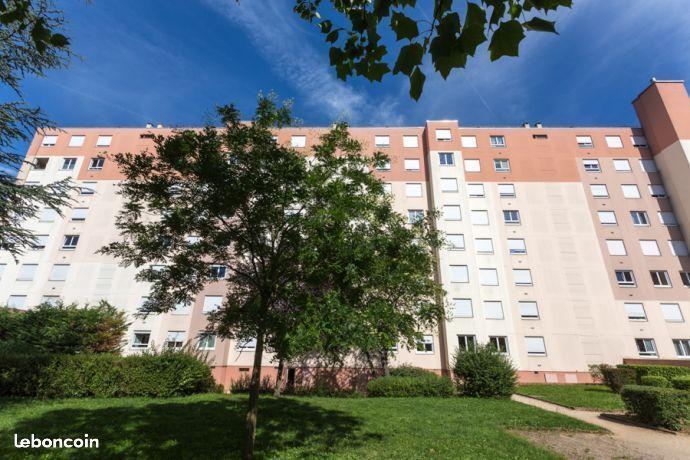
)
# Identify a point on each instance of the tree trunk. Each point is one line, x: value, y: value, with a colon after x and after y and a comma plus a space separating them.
x: 384, y: 362
x: 253, y: 408
x: 279, y: 378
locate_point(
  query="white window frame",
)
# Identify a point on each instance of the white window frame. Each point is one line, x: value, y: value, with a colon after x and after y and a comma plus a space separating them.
x: 468, y: 142
x: 479, y: 217
x: 458, y: 274
x: 506, y: 190
x: 529, y: 309
x: 616, y: 247
x: 413, y: 189
x: 667, y: 218
x: 650, y: 248
x: 501, y: 165
x: 535, y: 345
x: 671, y: 312
x: 465, y: 310
x: 488, y: 277
x: 635, y: 311
x: 493, y: 309
x: 625, y: 283
x: 298, y: 141
x: 443, y: 135
x: 449, y: 212
x: 426, y: 344
x: 584, y: 142
x: 472, y: 165
x: 76, y: 140
x: 476, y: 190
x: 96, y: 163
x: 412, y: 164
x: 678, y: 248
x: 49, y: 140
x: 497, y: 140
x: 104, y: 140
x: 456, y: 241
x: 599, y: 190
x: 660, y: 278
x: 638, y: 214
x: 449, y: 185
x: 591, y: 165
x: 614, y: 142
x: 410, y: 141
x: 630, y: 191
x: 68, y: 164
x: 508, y: 215
x: 443, y: 157
x: 523, y: 277
x: 648, y: 346
x: 141, y: 345
x: 484, y: 245
x: 382, y: 140
x: 657, y: 191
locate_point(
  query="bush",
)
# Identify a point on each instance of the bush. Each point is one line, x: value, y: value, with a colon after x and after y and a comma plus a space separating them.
x: 654, y: 381
x: 668, y: 372
x: 20, y: 371
x: 681, y: 383
x: 484, y: 372
x: 242, y: 384
x: 664, y: 407
x: 392, y: 387
x: 616, y: 377
x: 407, y: 370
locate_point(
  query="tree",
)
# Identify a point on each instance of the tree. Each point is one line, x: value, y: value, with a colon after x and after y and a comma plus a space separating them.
x: 355, y: 33
x: 293, y: 232
x: 28, y: 45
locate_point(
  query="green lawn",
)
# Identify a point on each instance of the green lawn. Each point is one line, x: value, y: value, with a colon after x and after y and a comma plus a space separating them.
x: 594, y: 397
x: 210, y: 426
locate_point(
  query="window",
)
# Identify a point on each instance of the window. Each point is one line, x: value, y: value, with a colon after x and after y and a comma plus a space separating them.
x: 657, y: 191
x: 502, y: 165
x: 667, y: 218
x: 500, y: 343
x: 678, y: 248
x: 456, y: 241
x: 446, y: 159
x: 451, y: 212
x: 528, y: 309
x: 516, y: 246
x: 248, y: 345
x: 387, y: 188
x: 479, y: 217
x: 175, y: 339
x: 488, y: 277
x: 607, y: 217
x: 413, y: 190
x: 76, y: 141
x: 466, y: 342
x: 625, y: 278
x: 472, y: 166
x: 646, y: 347
x: 182, y: 308
x: 599, y: 190
x: 382, y: 141
x: 70, y: 242
x: 682, y: 347
x: 614, y: 142
x: 212, y: 303
x: 443, y: 135
x: 49, y: 141
x: 591, y: 165
x: 630, y: 191
x: 79, y: 214
x: 218, y: 272
x: 27, y: 272
x: 384, y: 166
x: 672, y: 313
x: 648, y: 166
x: 104, y: 141
x: 141, y: 339
x: 497, y: 141
x: 59, y: 272
x: 40, y: 242
x: 616, y: 247
x: 425, y: 346
x: 68, y: 164
x: 522, y: 276
x: 635, y: 311
x: 17, y: 301
x: 52, y: 300
x: 493, y: 309
x: 411, y: 164
x: 584, y: 142
x: 468, y: 142
x: 475, y: 190
x: 40, y: 164
x: 511, y: 217
x: 506, y: 190
x: 540, y: 136
x: 298, y: 142
x: 410, y: 141
x: 639, y: 218
x: 459, y: 274
x: 192, y: 240
x: 649, y: 248
x: 87, y: 188
x: 685, y: 277
x: 660, y: 278
x: 449, y: 185
x: 206, y: 341
x: 414, y: 215
x: 96, y: 163
x: 638, y: 141
x: 462, y: 308
x: 483, y: 245
x: 535, y: 346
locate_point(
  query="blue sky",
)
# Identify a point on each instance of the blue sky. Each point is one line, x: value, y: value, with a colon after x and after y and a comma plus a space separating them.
x: 173, y: 61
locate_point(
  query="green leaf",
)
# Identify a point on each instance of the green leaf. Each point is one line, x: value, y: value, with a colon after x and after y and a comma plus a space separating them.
x: 473, y: 33
x: 59, y: 40
x: 332, y: 37
x: 409, y: 57
x: 540, y: 25
x: 416, y: 83
x: 40, y: 36
x: 404, y: 27
x: 325, y: 26
x: 506, y: 40
x: 377, y: 70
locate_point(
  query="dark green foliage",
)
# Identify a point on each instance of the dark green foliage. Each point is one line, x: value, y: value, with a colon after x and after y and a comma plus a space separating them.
x: 395, y: 387
x: 665, y: 407
x: 654, y: 381
x: 407, y: 370
x: 447, y: 32
x: 20, y: 371
x: 64, y: 329
x: 668, y: 372
x: 681, y: 383
x: 242, y: 384
x: 616, y: 377
x: 484, y: 372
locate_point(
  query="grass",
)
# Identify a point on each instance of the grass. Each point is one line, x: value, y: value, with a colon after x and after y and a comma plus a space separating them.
x: 592, y: 397
x: 211, y: 425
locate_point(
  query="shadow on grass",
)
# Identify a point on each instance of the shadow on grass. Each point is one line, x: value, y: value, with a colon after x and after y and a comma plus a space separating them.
x: 598, y: 389
x: 191, y: 429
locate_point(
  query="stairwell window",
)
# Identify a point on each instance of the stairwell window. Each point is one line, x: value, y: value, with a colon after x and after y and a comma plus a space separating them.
x: 446, y: 159
x: 68, y: 164
x: 646, y: 347
x: 660, y: 278
x: 425, y: 346
x: 497, y: 141
x: 449, y: 185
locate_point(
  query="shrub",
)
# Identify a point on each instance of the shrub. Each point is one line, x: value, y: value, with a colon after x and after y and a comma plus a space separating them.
x: 664, y: 407
x: 484, y: 372
x: 428, y: 385
x: 20, y: 371
x: 243, y: 383
x: 668, y: 372
x: 681, y: 383
x: 654, y: 381
x: 406, y: 370
x: 616, y: 377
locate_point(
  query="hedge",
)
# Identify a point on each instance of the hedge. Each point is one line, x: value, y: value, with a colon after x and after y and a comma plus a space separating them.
x: 654, y: 381
x: 616, y: 377
x: 407, y: 370
x: 429, y: 385
x: 668, y: 372
x: 681, y: 383
x: 664, y: 407
x: 484, y: 372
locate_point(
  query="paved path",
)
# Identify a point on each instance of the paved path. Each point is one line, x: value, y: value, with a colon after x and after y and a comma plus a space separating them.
x: 641, y: 442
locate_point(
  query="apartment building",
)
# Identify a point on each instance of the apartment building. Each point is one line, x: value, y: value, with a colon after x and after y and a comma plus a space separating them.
x: 565, y: 246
